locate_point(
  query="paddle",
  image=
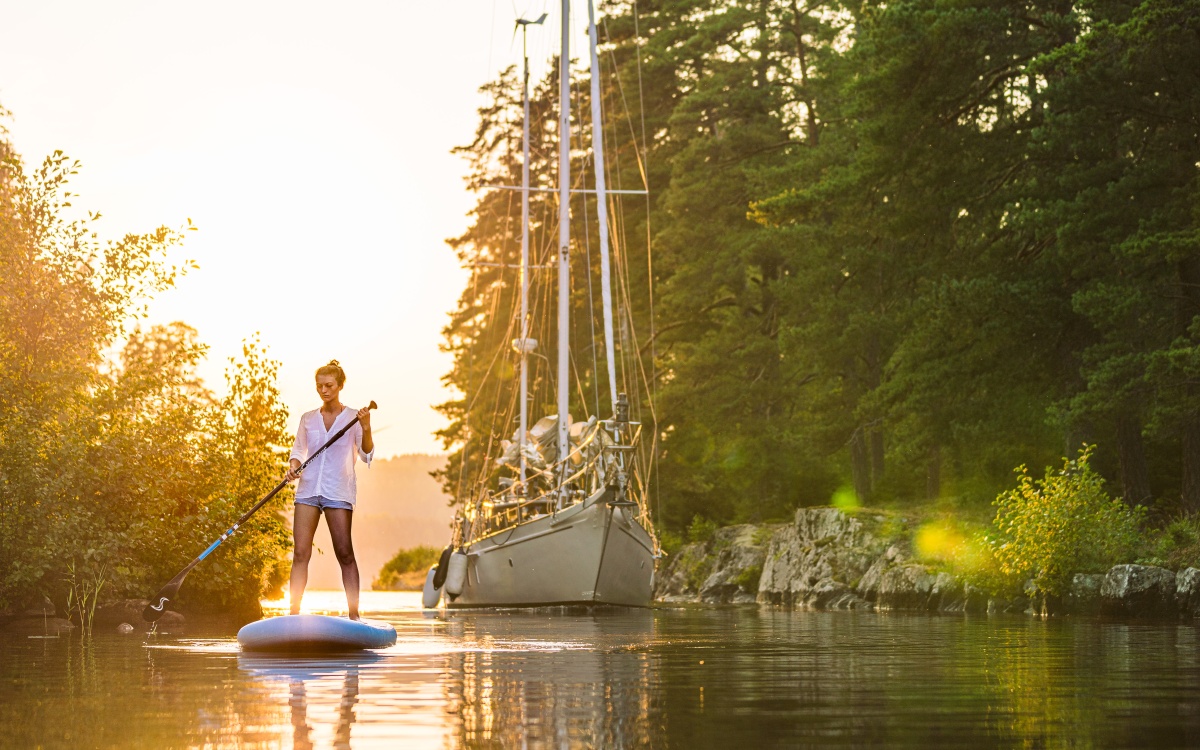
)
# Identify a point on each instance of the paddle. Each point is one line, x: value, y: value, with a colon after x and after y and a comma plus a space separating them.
x: 154, y: 611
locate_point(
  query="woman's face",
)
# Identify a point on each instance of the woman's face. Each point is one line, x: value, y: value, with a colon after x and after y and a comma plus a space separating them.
x: 328, y: 388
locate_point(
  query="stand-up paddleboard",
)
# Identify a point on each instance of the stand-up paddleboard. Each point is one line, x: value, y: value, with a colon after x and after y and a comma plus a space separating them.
x: 303, y: 633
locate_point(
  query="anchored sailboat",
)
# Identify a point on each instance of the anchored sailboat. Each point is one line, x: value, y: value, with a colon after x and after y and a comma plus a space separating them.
x: 571, y: 525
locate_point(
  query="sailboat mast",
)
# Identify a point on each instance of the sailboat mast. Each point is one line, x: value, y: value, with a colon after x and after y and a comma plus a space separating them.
x: 564, y: 237
x: 602, y: 209
x: 524, y: 257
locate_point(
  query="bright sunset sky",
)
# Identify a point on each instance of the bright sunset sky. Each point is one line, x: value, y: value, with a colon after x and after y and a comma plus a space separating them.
x: 309, y: 142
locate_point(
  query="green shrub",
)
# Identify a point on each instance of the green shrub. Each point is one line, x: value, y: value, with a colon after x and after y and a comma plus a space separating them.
x: 748, y: 579
x: 1065, y: 523
x: 701, y: 529
x: 406, y: 561
x: 1178, y: 545
x: 670, y: 542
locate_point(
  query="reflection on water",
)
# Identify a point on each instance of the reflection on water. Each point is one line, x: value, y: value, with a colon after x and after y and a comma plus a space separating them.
x: 665, y: 678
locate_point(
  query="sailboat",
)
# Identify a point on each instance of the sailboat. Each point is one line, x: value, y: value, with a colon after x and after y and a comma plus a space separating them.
x: 570, y: 523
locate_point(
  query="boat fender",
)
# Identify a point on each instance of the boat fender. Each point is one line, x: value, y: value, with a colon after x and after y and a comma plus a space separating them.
x: 443, y: 567
x: 456, y: 576
x: 431, y: 594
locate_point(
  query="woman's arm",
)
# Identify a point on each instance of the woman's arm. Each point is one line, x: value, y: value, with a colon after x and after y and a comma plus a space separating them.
x: 299, y: 451
x: 364, y: 420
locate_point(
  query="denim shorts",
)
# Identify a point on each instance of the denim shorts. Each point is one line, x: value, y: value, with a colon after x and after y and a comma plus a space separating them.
x: 321, y: 502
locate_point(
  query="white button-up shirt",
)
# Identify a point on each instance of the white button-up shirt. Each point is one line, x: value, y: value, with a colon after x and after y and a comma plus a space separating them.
x: 331, y: 475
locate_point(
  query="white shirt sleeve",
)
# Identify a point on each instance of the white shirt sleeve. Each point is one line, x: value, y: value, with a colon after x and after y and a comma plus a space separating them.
x: 300, y: 447
x: 363, y: 456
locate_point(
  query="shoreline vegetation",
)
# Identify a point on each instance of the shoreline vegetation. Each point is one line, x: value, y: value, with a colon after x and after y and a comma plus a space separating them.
x: 406, y: 570
x: 117, y: 464
x: 1057, y: 545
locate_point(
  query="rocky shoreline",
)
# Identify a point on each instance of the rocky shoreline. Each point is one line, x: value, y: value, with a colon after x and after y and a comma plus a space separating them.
x: 829, y: 559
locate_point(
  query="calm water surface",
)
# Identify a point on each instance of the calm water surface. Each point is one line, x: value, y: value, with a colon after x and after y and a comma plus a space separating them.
x: 685, y: 678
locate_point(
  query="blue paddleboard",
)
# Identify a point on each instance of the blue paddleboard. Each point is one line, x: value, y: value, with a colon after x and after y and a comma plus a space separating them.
x: 300, y: 633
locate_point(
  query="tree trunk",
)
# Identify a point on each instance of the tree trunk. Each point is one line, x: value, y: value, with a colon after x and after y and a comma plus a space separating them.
x: 1191, y: 467
x: 876, y: 438
x: 860, y: 466
x: 933, y: 473
x: 1131, y: 453
x: 1189, y: 307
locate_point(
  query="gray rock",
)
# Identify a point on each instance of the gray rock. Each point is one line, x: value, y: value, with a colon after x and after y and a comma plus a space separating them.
x: 129, y: 611
x: 38, y: 606
x: 817, y: 560
x: 999, y: 605
x: 868, y: 585
x: 170, y: 622
x: 677, y: 582
x: 738, y: 553
x: 726, y: 569
x: 1187, y: 591
x: 1083, y: 595
x: 1138, y: 590
x: 906, y: 586
x: 112, y: 614
x: 975, y: 599
x: 947, y: 594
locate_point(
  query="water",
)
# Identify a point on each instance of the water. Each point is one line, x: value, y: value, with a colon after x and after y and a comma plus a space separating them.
x: 686, y: 678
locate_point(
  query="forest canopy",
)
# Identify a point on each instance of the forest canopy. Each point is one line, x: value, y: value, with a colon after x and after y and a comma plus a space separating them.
x: 896, y: 248
x: 117, y: 464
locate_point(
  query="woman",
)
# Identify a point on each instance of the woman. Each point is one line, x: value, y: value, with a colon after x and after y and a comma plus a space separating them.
x: 328, y: 483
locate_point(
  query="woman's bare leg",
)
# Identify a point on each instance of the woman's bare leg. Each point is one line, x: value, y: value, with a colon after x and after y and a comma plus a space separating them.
x: 339, y: 521
x: 304, y: 526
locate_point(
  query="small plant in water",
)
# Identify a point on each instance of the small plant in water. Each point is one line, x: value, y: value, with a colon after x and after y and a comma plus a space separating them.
x: 1048, y: 529
x: 84, y: 582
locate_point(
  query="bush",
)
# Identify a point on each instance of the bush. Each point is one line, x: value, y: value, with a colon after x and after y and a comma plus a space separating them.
x: 701, y: 530
x: 397, y: 574
x: 116, y: 470
x: 1178, y: 545
x: 1066, y: 523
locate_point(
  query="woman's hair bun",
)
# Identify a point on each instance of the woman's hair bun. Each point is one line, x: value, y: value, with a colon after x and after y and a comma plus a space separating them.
x: 334, y: 369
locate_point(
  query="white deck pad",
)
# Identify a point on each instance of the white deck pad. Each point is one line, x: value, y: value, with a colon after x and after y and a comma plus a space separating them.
x: 300, y: 633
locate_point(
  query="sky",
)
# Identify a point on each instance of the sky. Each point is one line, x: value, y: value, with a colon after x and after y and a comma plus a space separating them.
x: 308, y: 142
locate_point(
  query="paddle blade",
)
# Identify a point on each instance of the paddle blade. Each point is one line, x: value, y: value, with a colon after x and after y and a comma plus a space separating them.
x: 158, y: 604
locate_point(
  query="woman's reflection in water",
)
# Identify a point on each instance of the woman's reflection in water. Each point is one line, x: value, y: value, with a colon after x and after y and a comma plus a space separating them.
x: 302, y: 730
x: 300, y: 674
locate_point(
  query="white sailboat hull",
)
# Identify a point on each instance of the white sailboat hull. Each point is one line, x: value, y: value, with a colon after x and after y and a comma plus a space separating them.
x: 588, y: 554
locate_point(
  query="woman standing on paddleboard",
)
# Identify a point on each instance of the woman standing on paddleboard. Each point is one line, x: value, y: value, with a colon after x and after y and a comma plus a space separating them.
x: 328, y: 485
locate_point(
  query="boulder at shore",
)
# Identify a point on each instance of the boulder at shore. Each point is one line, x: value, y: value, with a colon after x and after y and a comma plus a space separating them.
x: 827, y: 558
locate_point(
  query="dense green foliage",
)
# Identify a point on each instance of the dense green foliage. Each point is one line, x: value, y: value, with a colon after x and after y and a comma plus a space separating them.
x: 412, y: 560
x: 899, y: 247
x: 117, y: 469
x: 1065, y: 523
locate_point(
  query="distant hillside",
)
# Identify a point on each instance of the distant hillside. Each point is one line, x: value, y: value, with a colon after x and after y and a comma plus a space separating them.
x: 399, y: 505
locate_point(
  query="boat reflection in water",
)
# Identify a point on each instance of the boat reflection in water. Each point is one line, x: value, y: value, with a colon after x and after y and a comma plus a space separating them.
x: 591, y: 691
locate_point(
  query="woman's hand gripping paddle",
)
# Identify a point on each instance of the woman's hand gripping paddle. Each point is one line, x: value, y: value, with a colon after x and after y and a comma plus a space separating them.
x: 155, y: 610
